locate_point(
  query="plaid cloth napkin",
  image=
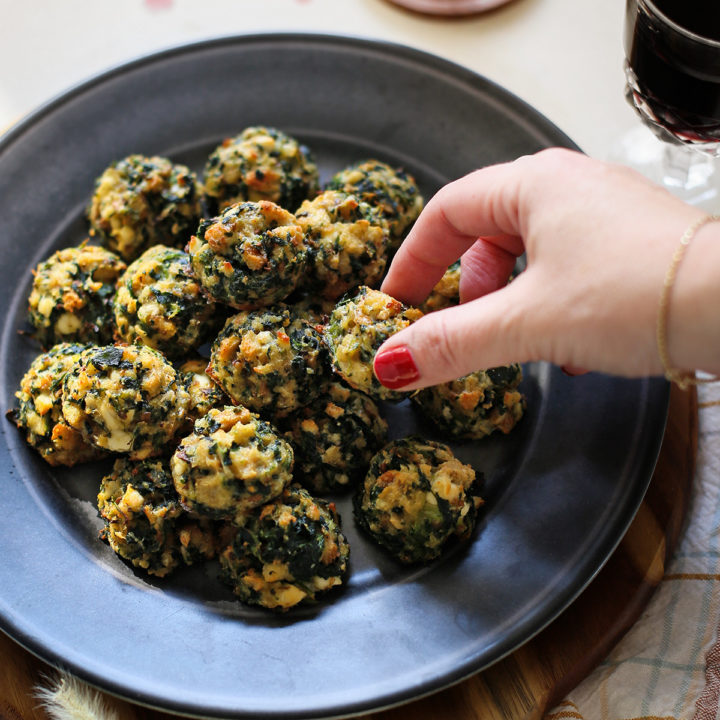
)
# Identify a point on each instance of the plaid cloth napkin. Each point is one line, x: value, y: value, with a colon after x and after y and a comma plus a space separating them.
x: 667, y: 667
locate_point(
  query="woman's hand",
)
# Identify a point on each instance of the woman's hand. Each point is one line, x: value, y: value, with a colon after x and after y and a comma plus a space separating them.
x: 598, y: 240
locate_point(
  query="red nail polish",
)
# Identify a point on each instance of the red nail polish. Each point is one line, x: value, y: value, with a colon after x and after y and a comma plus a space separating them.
x: 573, y: 371
x: 395, y: 368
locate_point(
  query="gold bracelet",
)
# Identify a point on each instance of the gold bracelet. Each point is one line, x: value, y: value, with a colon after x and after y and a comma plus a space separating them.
x: 683, y: 378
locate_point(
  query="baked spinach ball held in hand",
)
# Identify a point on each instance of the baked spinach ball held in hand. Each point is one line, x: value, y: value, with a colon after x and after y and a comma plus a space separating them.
x: 142, y: 201
x: 348, y: 246
x: 415, y: 497
x: 71, y: 296
x: 357, y: 327
x: 125, y: 398
x: 39, y: 410
x: 231, y: 463
x: 261, y: 163
x: 252, y: 255
x: 286, y: 552
x: 159, y: 303
x: 270, y: 360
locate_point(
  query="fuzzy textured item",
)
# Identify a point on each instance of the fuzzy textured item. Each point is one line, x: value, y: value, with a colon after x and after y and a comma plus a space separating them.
x: 67, y: 698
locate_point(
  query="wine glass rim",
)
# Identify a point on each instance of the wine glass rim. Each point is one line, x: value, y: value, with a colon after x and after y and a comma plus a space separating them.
x: 679, y: 28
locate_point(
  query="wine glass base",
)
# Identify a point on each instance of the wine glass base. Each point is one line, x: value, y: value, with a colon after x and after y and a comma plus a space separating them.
x: 687, y: 173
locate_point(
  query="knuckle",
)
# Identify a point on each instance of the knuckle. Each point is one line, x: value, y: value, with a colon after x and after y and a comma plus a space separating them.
x: 558, y: 160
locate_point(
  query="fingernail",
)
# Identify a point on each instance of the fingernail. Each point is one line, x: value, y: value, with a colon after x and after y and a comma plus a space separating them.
x: 395, y: 368
x: 572, y: 371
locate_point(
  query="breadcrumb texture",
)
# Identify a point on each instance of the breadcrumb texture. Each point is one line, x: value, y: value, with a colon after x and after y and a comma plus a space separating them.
x: 39, y: 409
x: 231, y: 463
x: 335, y: 438
x: 393, y: 192
x: 124, y: 398
x: 356, y: 329
x: 348, y: 244
x: 261, y: 163
x: 446, y: 292
x: 204, y: 393
x: 160, y: 303
x: 477, y: 404
x: 415, y: 497
x: 138, y: 502
x: 271, y: 361
x: 71, y: 296
x: 287, y: 552
x: 250, y: 256
x: 141, y: 201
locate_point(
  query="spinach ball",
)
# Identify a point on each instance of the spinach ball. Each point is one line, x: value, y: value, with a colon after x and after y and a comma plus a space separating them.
x: 138, y: 502
x: 357, y: 327
x: 261, y: 163
x: 287, y: 552
x: 159, y: 303
x: 232, y: 462
x: 316, y: 310
x: 202, y: 538
x: 250, y: 256
x: 71, y: 296
x: 39, y: 411
x: 271, y: 361
x: 335, y: 438
x: 475, y: 405
x: 393, y: 192
x: 124, y: 398
x: 348, y: 246
x: 415, y: 497
x: 142, y: 201
x: 204, y: 393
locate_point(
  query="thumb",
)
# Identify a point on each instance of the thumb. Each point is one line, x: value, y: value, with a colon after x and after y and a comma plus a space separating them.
x: 450, y: 343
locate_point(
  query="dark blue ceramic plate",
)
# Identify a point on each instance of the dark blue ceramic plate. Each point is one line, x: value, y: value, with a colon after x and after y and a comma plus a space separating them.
x: 560, y: 490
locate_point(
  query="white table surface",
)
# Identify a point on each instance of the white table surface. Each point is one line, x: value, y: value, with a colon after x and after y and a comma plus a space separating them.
x: 564, y: 57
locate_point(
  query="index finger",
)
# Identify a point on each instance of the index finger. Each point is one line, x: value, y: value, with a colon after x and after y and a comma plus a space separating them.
x: 480, y: 206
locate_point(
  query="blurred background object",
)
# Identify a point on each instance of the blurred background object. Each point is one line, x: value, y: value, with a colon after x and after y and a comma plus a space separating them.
x: 450, y: 7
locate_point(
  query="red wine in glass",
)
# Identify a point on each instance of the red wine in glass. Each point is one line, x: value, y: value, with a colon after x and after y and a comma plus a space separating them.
x: 672, y: 50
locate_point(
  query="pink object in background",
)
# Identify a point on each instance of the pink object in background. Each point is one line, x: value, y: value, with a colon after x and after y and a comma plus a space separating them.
x: 159, y: 4
x: 449, y: 7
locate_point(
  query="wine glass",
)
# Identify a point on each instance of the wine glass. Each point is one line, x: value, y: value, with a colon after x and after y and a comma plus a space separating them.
x: 672, y: 69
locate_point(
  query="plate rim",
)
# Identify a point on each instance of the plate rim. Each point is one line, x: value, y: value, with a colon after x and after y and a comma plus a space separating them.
x: 394, y: 49
x: 472, y: 79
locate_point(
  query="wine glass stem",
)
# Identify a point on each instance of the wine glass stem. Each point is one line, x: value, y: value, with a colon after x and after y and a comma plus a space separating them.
x: 690, y: 175
x: 677, y: 161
